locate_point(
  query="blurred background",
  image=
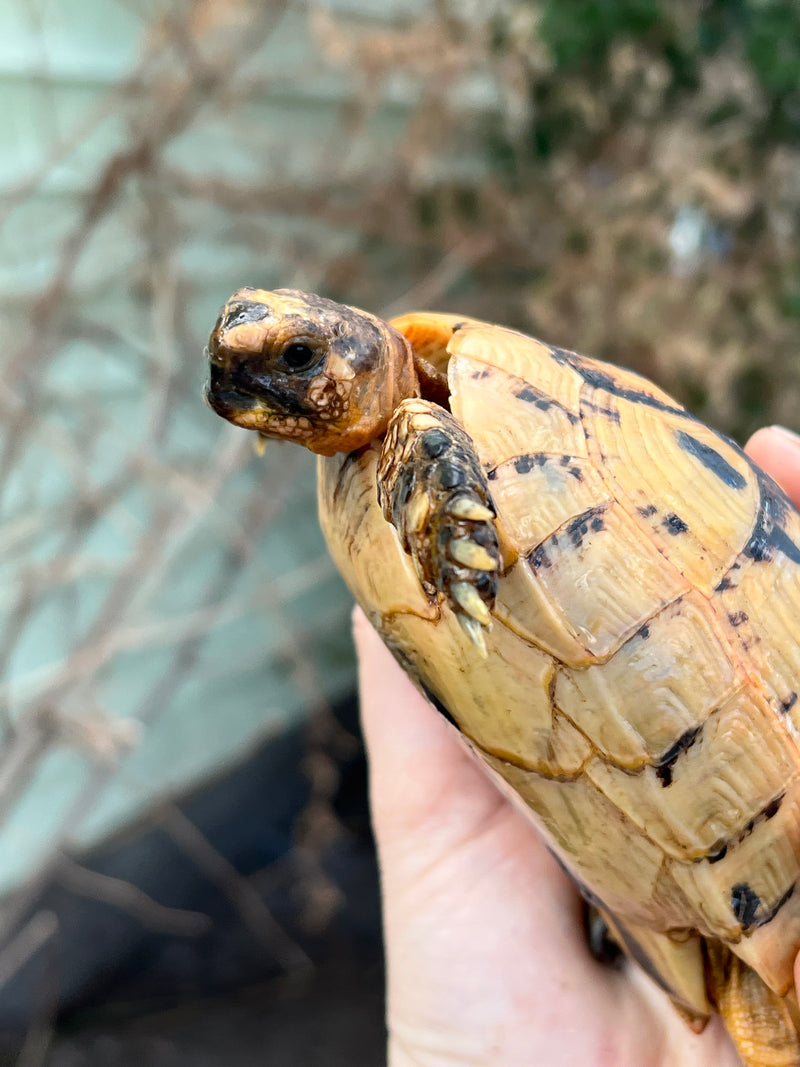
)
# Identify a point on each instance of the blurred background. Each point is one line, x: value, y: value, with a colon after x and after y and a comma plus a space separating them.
x: 186, y: 869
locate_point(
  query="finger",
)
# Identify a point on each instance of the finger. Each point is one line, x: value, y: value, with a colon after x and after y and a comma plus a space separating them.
x: 778, y: 451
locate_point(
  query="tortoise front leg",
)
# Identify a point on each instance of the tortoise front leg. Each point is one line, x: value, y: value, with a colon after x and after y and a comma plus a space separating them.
x: 433, y: 490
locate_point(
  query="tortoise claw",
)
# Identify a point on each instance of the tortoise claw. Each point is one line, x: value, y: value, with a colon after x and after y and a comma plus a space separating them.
x: 471, y: 603
x: 474, y: 631
x: 464, y: 507
x: 433, y: 490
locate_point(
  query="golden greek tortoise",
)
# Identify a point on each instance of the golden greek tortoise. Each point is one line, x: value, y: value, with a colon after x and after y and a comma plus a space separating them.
x: 601, y: 593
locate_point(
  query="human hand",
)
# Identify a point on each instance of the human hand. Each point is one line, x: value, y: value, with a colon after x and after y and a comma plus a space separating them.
x: 487, y: 961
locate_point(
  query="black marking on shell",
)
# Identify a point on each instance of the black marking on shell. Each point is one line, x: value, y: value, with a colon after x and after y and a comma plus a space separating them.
x: 539, y: 558
x: 674, y: 524
x: 736, y: 618
x: 766, y: 813
x: 478, y: 375
x: 599, y: 379
x: 525, y: 463
x: 769, y: 811
x: 434, y: 443
x: 789, y: 702
x: 458, y: 326
x: 745, y: 904
x: 531, y: 397
x: 647, y: 511
x: 772, y: 808
x: 665, y: 765
x: 543, y: 402
x: 600, y: 409
x: 724, y: 584
x: 576, y: 473
x: 769, y: 536
x: 578, y: 527
x: 491, y: 475
x: 342, y: 475
x: 712, y: 460
x: 643, y: 632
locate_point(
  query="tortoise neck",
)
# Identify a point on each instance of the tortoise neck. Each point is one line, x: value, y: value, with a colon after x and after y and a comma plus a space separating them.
x: 405, y: 383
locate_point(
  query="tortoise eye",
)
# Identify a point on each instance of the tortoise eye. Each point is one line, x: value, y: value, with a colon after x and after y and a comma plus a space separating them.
x: 299, y: 356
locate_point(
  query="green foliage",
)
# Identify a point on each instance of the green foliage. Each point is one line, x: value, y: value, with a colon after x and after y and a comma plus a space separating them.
x: 772, y: 45
x: 579, y: 33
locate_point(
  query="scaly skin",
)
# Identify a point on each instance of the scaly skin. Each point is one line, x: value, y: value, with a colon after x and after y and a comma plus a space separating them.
x: 433, y: 490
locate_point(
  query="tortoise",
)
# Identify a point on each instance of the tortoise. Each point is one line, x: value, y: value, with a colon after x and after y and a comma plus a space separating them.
x: 598, y: 590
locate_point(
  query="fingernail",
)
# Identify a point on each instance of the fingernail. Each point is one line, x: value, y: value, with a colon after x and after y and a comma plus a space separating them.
x: 793, y: 437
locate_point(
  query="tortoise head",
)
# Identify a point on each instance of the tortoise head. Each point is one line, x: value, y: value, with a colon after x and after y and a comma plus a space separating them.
x: 296, y: 366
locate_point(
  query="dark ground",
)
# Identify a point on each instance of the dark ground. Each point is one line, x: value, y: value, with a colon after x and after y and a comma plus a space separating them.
x: 266, y: 950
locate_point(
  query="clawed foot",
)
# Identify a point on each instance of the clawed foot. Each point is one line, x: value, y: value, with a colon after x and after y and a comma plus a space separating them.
x: 433, y: 490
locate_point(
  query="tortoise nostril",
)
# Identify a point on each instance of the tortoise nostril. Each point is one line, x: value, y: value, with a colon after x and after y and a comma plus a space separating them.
x: 243, y: 311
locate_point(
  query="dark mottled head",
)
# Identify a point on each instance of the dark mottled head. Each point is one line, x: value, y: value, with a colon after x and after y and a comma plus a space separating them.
x: 293, y: 365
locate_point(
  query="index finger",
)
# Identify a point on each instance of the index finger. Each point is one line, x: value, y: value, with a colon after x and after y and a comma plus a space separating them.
x: 777, y: 450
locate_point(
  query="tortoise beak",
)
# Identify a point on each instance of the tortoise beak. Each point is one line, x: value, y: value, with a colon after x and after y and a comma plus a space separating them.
x: 224, y: 397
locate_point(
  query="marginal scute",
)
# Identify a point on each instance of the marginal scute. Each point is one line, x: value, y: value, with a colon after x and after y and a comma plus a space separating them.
x: 590, y: 834
x: 524, y: 606
x: 675, y: 963
x: 517, y: 356
x: 766, y: 862
x: 364, y: 546
x: 767, y: 638
x: 515, y: 720
x: 770, y: 948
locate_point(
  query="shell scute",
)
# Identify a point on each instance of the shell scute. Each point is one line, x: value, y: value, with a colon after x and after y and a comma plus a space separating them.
x: 503, y: 705
x: 491, y: 374
x: 592, y: 833
x: 364, y: 546
x: 758, y: 603
x: 524, y: 606
x: 731, y: 770
x: 649, y: 457
x: 606, y: 580
x: 539, y: 492
x: 762, y: 921
x: 683, y: 664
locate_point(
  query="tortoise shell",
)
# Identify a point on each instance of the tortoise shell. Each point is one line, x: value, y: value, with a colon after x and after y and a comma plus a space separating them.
x: 640, y: 683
